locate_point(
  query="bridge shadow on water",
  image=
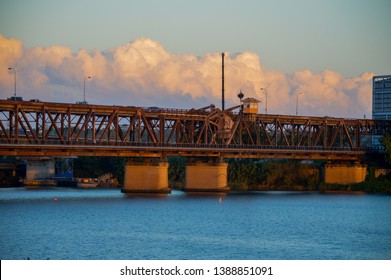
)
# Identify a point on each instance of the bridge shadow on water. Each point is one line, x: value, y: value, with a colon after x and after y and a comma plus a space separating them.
x: 181, y: 195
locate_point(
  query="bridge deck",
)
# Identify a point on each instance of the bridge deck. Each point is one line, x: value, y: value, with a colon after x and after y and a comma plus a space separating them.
x: 44, y: 128
x: 187, y: 150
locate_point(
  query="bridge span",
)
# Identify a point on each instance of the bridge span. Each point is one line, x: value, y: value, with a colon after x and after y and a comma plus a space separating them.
x: 60, y: 129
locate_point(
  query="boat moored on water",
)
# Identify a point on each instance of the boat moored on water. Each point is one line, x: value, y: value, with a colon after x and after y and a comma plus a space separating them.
x: 86, y: 182
x: 105, y: 181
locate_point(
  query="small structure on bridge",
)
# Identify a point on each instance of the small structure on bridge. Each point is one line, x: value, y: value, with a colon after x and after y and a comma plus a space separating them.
x: 250, y: 105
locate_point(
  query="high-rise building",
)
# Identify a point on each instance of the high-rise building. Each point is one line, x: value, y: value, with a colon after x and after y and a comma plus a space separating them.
x: 381, y: 97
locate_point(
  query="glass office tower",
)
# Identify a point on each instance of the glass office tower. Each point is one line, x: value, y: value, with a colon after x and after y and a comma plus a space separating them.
x: 381, y: 97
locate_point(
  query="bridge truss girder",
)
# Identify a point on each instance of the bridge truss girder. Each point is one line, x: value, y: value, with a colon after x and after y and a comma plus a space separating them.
x: 298, y: 132
x: 36, y: 124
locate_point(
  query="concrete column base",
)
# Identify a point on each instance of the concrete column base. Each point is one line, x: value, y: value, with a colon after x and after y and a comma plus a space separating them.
x: 344, y: 174
x: 142, y: 178
x: 206, y: 177
x: 38, y: 168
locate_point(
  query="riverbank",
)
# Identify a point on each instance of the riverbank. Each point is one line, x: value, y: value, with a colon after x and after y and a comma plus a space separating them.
x: 380, y: 186
x: 242, y: 175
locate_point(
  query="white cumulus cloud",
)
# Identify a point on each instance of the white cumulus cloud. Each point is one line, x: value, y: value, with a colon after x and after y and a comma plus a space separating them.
x: 143, y: 73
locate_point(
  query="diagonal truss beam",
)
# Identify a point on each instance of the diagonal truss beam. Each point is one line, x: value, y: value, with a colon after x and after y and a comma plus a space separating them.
x: 39, y: 122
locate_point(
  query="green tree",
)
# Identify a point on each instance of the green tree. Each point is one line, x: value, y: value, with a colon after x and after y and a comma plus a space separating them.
x: 176, y: 172
x: 386, y: 141
x: 91, y: 167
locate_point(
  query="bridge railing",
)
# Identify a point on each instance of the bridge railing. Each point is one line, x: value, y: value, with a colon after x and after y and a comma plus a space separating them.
x: 172, y: 111
x: 69, y: 143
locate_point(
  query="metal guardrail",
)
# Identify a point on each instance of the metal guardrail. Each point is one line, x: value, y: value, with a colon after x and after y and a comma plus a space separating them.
x: 211, y: 147
x: 172, y: 111
x: 31, y: 127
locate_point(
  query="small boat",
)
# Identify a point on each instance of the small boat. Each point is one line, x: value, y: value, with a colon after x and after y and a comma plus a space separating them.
x: 38, y: 182
x: 105, y: 181
x: 86, y: 183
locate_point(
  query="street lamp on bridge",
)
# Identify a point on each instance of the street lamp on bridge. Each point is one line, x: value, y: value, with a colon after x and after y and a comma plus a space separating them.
x: 265, y: 90
x: 240, y: 96
x: 10, y: 68
x: 297, y: 102
x: 85, y: 78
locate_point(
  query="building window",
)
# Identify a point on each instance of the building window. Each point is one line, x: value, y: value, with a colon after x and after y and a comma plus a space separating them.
x: 381, y: 97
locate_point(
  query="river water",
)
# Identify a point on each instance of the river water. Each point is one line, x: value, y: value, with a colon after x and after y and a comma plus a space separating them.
x: 91, y: 224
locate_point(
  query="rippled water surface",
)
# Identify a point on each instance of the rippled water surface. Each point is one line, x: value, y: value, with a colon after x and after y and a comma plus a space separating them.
x: 62, y: 223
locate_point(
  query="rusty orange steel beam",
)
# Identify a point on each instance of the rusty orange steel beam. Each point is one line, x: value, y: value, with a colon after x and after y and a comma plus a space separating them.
x: 64, y: 129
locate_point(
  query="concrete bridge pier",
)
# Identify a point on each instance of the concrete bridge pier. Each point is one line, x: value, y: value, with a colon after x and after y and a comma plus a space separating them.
x: 39, y: 171
x: 40, y: 168
x: 146, y: 177
x: 344, y: 173
x: 208, y: 177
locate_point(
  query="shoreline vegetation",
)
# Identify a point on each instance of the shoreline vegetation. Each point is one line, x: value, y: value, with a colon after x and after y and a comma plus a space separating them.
x: 283, y: 175
x: 243, y: 175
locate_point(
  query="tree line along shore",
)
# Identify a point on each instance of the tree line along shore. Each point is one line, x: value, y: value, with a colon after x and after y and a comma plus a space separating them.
x: 243, y: 175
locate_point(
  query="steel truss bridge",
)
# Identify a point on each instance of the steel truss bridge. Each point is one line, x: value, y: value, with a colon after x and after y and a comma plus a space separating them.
x: 58, y: 129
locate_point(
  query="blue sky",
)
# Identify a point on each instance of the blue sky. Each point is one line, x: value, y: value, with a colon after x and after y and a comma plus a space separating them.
x: 168, y: 53
x: 347, y: 36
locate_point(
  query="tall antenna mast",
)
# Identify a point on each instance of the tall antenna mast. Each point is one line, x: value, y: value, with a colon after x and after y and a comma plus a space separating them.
x: 222, y: 82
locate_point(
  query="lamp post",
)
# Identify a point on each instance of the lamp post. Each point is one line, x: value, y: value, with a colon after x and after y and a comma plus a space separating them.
x: 240, y: 96
x: 10, y: 68
x: 85, y: 78
x: 265, y: 90
x: 297, y: 102
x: 222, y: 82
